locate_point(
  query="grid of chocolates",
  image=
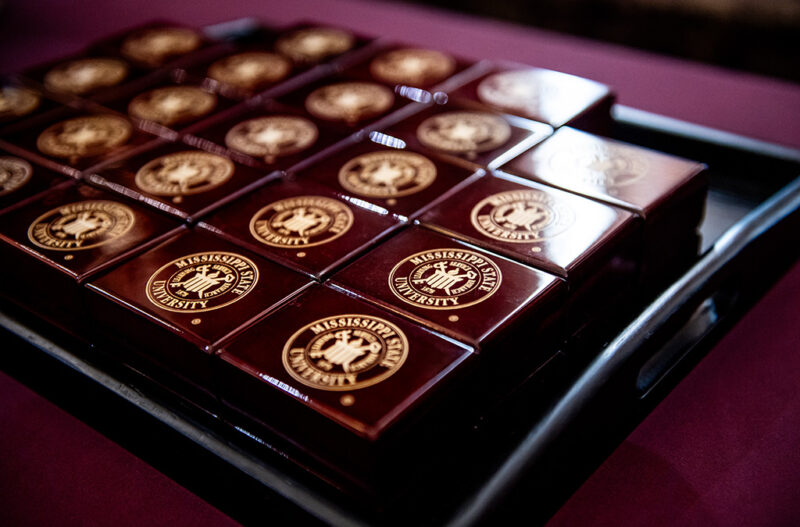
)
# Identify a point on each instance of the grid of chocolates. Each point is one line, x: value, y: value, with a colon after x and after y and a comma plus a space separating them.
x: 344, y: 241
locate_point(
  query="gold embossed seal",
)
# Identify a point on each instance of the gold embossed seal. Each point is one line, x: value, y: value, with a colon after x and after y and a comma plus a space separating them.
x: 155, y: 46
x: 16, y: 101
x: 81, y: 225
x: 14, y: 173
x: 86, y: 136
x: 445, y: 279
x: 464, y: 132
x: 514, y: 91
x: 272, y: 137
x: 184, y: 173
x: 605, y: 166
x: 302, y: 221
x: 414, y: 67
x: 250, y: 70
x: 82, y: 76
x: 349, y: 101
x: 202, y: 281
x: 387, y: 174
x: 314, y: 44
x: 172, y: 104
x: 521, y: 216
x: 345, y: 352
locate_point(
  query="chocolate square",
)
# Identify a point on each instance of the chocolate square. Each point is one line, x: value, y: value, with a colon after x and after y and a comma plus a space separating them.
x: 394, y: 178
x: 302, y: 225
x: 21, y: 180
x: 182, y: 181
x: 459, y: 290
x: 242, y: 72
x: 595, y: 247
x: 666, y: 191
x: 628, y: 176
x: 170, y: 307
x: 346, y: 103
x: 250, y: 65
x: 471, y: 138
x: 170, y: 105
x: 154, y: 45
x: 72, y: 140
x: 337, y: 375
x: 65, y: 236
x: 399, y: 65
x: 21, y: 103
x: 87, y: 75
x: 268, y: 136
x: 547, y: 96
x: 307, y: 44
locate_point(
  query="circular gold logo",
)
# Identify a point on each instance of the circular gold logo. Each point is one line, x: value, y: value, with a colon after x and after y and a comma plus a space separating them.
x: 184, y: 173
x: 349, y: 101
x: 154, y: 46
x: 84, y: 136
x: 303, y: 221
x: 445, y: 279
x: 415, y: 67
x: 85, y: 75
x: 14, y: 173
x: 172, y: 104
x: 521, y: 216
x: 81, y: 225
x: 606, y: 166
x: 314, y: 44
x: 202, y: 282
x: 464, y: 132
x: 387, y: 174
x: 16, y: 102
x: 271, y: 137
x: 345, y: 352
x: 248, y: 71
x: 512, y: 90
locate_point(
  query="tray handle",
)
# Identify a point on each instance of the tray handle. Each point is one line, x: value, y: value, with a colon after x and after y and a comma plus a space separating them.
x: 683, y: 295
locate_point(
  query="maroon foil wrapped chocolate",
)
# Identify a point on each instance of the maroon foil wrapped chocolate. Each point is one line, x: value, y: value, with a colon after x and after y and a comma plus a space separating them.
x: 88, y: 75
x: 21, y: 180
x: 247, y: 67
x: 21, y: 103
x: 72, y: 140
x: 337, y: 375
x: 666, y: 191
x: 399, y: 65
x: 547, y: 96
x: 308, y: 44
x: 154, y: 45
x: 63, y: 238
x: 471, y: 138
x: 268, y: 136
x: 167, y: 309
x: 302, y: 225
x: 459, y: 290
x: 182, y: 181
x: 402, y: 181
x: 345, y: 103
x: 169, y: 106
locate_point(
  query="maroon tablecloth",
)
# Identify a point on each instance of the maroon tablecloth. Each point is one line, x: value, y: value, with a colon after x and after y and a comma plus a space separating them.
x: 722, y: 449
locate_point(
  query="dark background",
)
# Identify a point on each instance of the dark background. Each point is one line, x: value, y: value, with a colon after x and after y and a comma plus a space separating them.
x: 747, y: 35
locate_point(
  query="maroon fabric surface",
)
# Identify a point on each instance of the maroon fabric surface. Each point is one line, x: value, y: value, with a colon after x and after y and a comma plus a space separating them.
x: 55, y: 470
x: 723, y: 447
